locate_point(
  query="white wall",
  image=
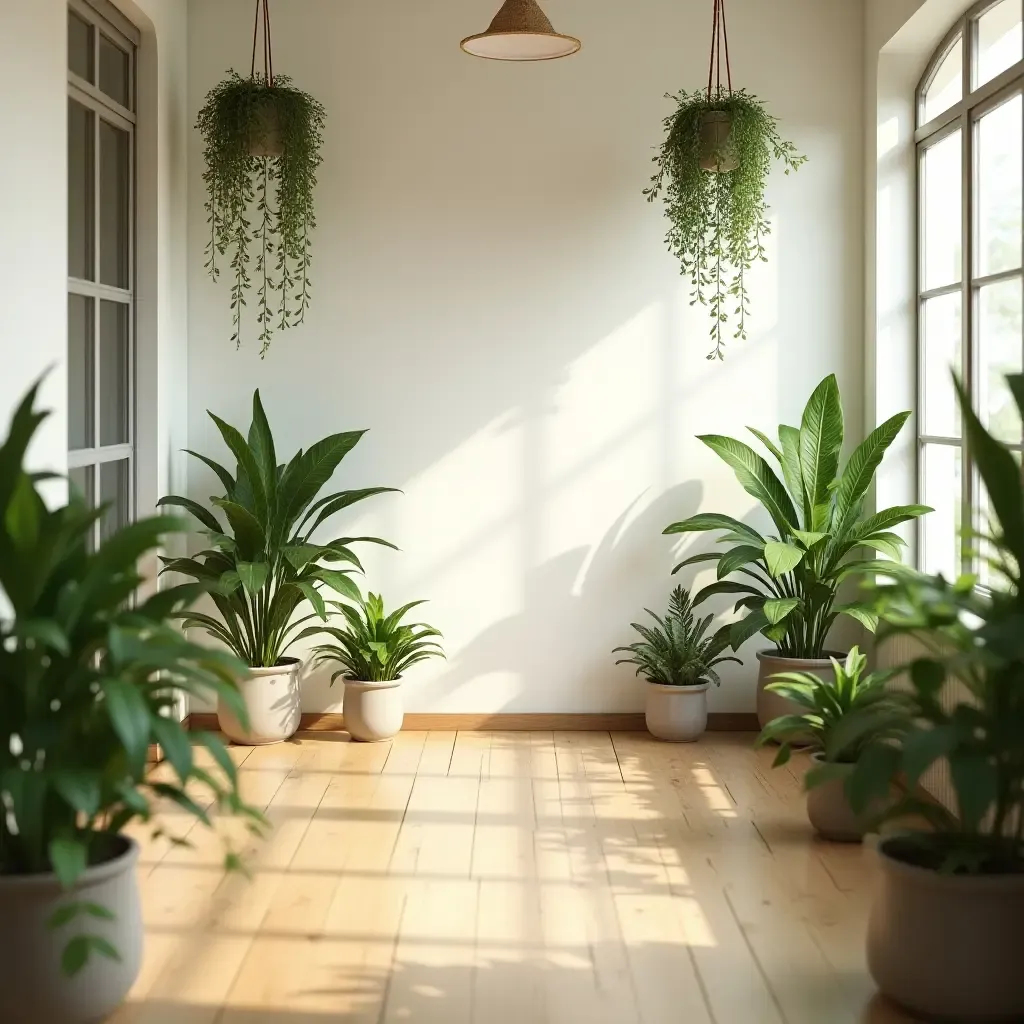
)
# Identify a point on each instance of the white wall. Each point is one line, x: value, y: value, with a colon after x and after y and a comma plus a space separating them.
x: 494, y: 300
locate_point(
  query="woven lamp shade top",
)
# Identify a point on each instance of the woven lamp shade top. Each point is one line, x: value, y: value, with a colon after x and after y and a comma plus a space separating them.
x: 521, y: 31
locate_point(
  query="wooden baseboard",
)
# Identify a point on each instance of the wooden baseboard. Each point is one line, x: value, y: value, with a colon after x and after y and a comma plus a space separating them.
x: 317, y: 721
x: 155, y: 754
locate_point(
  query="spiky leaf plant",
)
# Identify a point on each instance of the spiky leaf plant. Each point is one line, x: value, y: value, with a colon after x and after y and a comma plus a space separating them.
x: 261, y: 206
x: 718, y: 221
x: 677, y: 651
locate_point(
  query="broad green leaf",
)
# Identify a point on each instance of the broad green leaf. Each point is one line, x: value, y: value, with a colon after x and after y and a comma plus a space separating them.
x: 104, y: 948
x: 776, y: 609
x: 314, y: 598
x: 129, y: 716
x: 860, y: 470
x: 782, y: 558
x: 300, y: 555
x: 890, y: 544
x: 809, y: 538
x: 737, y: 557
x: 867, y: 618
x: 302, y: 482
x: 821, y: 438
x: 704, y: 556
x: 176, y: 744
x: 332, y: 503
x: 767, y: 442
x: 75, y: 955
x: 65, y: 914
x: 80, y: 790
x: 261, y: 442
x: 888, y: 518
x: 226, y: 479
x: 249, y: 470
x: 714, y: 521
x: 249, y: 535
x: 789, y: 439
x: 43, y: 631
x: 23, y: 515
x: 204, y: 515
x: 723, y: 587
x: 740, y: 632
x: 253, y: 576
x: 68, y: 859
x: 339, y: 582
x: 97, y: 910
x: 923, y: 747
x: 976, y: 783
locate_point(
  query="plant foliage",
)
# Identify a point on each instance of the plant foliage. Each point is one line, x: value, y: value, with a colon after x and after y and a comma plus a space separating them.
x: 261, y: 206
x: 791, y: 578
x: 718, y: 222
x: 375, y: 647
x: 264, y: 563
x: 974, y: 638
x: 677, y: 651
x: 86, y: 680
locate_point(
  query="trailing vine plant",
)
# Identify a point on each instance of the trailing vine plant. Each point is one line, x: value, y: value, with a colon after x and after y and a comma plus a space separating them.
x: 712, y: 170
x: 262, y: 141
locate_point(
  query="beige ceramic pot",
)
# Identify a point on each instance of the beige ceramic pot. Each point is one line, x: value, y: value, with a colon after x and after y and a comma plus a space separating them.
x: 272, y: 699
x: 830, y: 813
x: 947, y: 947
x: 373, y: 711
x: 265, y: 137
x: 678, y: 714
x: 716, y: 151
x: 772, y: 705
x: 33, y: 987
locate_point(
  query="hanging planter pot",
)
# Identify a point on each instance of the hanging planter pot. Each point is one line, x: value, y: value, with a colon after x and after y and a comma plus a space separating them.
x: 262, y: 140
x: 712, y: 172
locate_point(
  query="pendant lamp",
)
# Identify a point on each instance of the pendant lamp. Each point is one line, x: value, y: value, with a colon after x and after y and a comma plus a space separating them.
x: 520, y: 31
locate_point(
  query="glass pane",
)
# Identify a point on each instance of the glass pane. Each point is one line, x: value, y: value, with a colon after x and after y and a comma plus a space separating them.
x: 999, y: 188
x: 114, y: 80
x: 80, y: 47
x: 82, y: 483
x: 1000, y: 348
x: 81, y: 193
x: 114, y: 205
x: 81, y: 375
x: 940, y: 530
x: 942, y: 228
x: 113, y: 492
x: 947, y: 84
x: 113, y: 372
x: 941, y: 352
x: 1000, y: 42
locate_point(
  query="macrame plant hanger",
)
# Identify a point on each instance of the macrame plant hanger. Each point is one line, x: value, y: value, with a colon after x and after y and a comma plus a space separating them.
x: 716, y: 154
x: 265, y: 139
x: 268, y: 59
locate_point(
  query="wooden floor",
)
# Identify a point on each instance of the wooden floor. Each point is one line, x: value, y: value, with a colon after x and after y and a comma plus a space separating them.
x: 510, y: 877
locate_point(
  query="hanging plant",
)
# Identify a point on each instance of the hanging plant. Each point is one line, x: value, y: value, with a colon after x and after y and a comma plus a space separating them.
x: 712, y: 171
x: 262, y: 141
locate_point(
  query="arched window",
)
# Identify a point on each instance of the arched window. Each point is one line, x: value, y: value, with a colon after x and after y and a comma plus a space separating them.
x: 970, y: 115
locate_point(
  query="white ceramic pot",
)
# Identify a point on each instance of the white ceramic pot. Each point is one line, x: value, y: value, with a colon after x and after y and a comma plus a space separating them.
x: 772, y: 705
x: 678, y: 714
x: 33, y: 987
x: 372, y: 711
x: 272, y: 698
x: 947, y: 946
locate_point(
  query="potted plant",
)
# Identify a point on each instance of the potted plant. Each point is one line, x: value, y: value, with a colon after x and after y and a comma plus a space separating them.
x: 791, y: 577
x: 678, y: 660
x: 947, y: 925
x: 825, y: 705
x: 87, y: 684
x: 261, y: 145
x: 375, y: 650
x: 712, y: 169
x: 264, y: 565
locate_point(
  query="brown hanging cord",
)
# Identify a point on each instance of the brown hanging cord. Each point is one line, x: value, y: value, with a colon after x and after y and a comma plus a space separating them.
x: 268, y: 59
x: 719, y: 40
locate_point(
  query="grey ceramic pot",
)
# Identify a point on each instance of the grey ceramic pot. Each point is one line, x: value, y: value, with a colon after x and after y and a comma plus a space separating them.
x: 678, y: 714
x: 33, y: 987
x: 771, y: 705
x: 830, y: 812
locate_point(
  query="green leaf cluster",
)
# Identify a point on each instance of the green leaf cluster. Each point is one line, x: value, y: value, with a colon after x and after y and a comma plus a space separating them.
x: 972, y: 637
x: 377, y: 647
x: 88, y: 672
x: 718, y: 222
x: 264, y: 565
x: 791, y: 578
x: 261, y: 206
x: 677, y: 650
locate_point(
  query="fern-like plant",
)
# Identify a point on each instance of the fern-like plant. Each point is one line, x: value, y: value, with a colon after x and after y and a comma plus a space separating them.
x: 718, y: 219
x: 262, y: 141
x: 677, y: 651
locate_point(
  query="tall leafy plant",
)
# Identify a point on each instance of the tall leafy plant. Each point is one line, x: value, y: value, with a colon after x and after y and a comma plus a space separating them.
x: 264, y: 565
x: 788, y: 580
x: 259, y: 194
x: 86, y: 684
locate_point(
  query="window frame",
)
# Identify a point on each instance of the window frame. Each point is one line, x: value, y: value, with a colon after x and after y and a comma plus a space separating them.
x: 964, y: 117
x: 107, y: 22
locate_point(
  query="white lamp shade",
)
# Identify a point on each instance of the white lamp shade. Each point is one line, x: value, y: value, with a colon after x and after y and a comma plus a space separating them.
x: 520, y: 31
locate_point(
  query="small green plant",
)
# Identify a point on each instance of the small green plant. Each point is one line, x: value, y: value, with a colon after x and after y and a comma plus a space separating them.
x: 87, y: 681
x: 375, y: 647
x: 677, y: 651
x: 718, y: 221
x: 240, y: 118
x: 264, y: 564
x: 828, y: 703
x: 791, y: 578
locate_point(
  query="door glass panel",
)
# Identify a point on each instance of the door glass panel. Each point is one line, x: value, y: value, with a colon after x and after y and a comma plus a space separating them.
x: 940, y: 529
x: 114, y: 493
x: 999, y: 41
x: 947, y: 84
x: 113, y: 372
x: 81, y: 191
x: 1000, y: 344
x: 80, y: 51
x: 114, y: 72
x: 114, y: 205
x: 999, y: 188
x: 942, y: 345
x: 943, y: 242
x: 81, y: 375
